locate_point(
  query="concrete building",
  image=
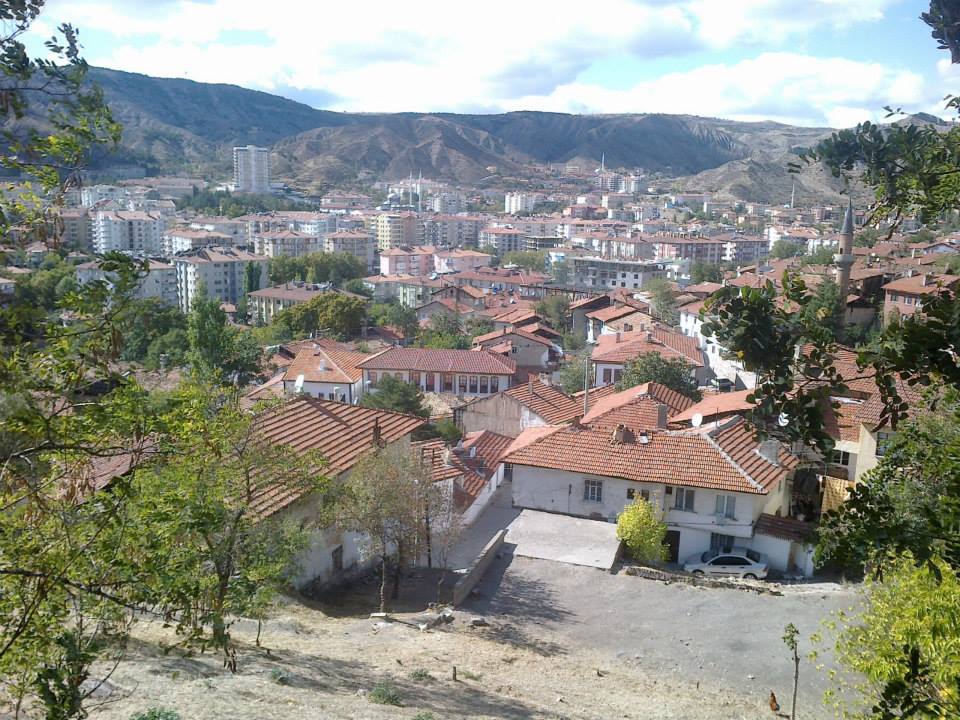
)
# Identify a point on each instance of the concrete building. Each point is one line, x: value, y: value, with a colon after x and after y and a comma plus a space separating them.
x: 160, y: 281
x: 519, y: 202
x: 77, y: 228
x: 604, y: 273
x: 267, y: 303
x: 407, y: 260
x: 453, y: 230
x: 504, y: 239
x: 181, y: 240
x: 251, y: 169
x: 289, y: 243
x: 362, y: 245
x: 222, y: 270
x: 397, y: 229
x: 448, y: 202
x: 128, y: 231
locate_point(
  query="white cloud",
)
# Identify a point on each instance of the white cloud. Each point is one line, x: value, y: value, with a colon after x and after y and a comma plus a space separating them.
x: 438, y: 55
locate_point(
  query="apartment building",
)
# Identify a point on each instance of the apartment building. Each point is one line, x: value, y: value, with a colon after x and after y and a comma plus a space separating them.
x: 222, y: 270
x: 91, y: 195
x: 362, y: 245
x: 269, y: 302
x: 905, y: 296
x: 160, y: 281
x: 519, y: 202
x: 184, y: 239
x: 670, y: 248
x: 453, y: 230
x: 604, y: 273
x: 504, y: 239
x: 251, y: 169
x: 129, y: 231
x: 407, y: 260
x: 290, y: 243
x: 77, y: 228
x: 448, y: 202
x: 397, y: 229
x: 743, y: 249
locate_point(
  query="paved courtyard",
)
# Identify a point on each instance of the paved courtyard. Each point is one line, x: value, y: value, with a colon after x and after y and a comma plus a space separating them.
x: 547, y: 536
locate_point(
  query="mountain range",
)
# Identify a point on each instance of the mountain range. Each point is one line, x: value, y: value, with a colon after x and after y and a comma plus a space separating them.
x: 178, y: 125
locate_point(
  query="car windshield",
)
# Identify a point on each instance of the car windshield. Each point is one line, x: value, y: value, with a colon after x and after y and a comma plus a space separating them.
x: 755, y: 556
x: 706, y: 556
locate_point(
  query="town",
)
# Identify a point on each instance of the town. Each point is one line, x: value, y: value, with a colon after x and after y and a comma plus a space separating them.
x: 566, y: 439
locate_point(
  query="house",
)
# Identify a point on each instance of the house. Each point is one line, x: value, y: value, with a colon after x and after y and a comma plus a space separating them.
x: 647, y: 405
x: 529, y: 351
x: 905, y: 297
x: 462, y: 372
x: 326, y: 373
x: 711, y: 486
x: 579, y: 309
x: 531, y: 404
x: 269, y: 302
x: 712, y: 408
x: 613, y: 352
x: 341, y: 433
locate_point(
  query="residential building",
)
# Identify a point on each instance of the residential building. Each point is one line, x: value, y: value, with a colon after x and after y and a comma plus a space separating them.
x: 520, y: 202
x: 448, y: 202
x: 613, y: 352
x: 504, y: 239
x: 603, y: 273
x: 459, y: 260
x: 397, y: 229
x: 77, y: 228
x: 407, y: 260
x: 510, y: 412
x: 743, y: 249
x: 705, y: 250
x: 362, y: 245
x: 341, y: 433
x: 460, y: 372
x: 267, y: 303
x: 251, y: 169
x: 289, y: 243
x: 452, y: 230
x: 327, y: 373
x: 159, y: 282
x: 221, y: 270
x: 91, y: 195
x: 595, y: 472
x: 530, y: 352
x: 905, y: 297
x: 184, y: 239
x: 128, y: 231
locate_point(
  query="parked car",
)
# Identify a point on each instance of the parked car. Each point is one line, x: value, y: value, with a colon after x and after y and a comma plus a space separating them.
x: 738, y: 562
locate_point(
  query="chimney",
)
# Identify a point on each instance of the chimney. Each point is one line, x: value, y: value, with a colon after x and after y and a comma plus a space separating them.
x: 925, y: 279
x: 644, y: 438
x: 447, y: 457
x: 768, y: 450
x: 662, y: 411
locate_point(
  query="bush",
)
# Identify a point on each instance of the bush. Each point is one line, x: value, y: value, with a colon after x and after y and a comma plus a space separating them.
x: 279, y: 676
x: 156, y: 714
x: 424, y: 716
x: 420, y: 675
x: 642, y: 532
x: 385, y: 694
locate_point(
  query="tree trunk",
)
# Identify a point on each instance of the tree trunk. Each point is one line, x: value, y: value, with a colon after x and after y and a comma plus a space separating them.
x: 796, y: 681
x: 395, y: 595
x: 383, y: 583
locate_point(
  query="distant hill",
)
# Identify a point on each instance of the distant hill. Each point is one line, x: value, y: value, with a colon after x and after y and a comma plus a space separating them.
x: 182, y: 125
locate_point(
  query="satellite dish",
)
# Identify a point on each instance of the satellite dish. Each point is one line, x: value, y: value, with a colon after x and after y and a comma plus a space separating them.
x: 298, y: 385
x: 783, y: 420
x: 696, y: 420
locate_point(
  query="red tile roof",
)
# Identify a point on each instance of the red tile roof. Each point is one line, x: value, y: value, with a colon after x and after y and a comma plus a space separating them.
x: 784, y: 528
x: 321, y: 365
x: 341, y: 433
x: 714, y: 406
x: 922, y: 284
x: 546, y: 401
x: 449, y: 361
x: 611, y: 313
x: 623, y: 347
x: 506, y: 333
x: 490, y: 446
x: 724, y: 459
x: 646, y: 396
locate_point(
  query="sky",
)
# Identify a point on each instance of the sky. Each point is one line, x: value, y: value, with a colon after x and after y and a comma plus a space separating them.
x: 806, y: 62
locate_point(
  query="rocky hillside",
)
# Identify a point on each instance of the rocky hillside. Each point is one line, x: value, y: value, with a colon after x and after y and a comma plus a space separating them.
x: 177, y: 125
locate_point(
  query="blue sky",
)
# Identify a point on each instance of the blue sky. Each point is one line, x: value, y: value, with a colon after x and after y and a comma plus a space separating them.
x: 810, y: 62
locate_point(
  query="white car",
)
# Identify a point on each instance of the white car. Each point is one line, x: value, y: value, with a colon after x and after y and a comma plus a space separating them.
x: 739, y: 563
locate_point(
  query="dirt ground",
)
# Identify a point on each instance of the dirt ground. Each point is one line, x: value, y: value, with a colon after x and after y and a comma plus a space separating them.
x: 536, y: 659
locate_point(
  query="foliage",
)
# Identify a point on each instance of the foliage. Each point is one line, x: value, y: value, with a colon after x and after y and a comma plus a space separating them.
x: 420, y: 675
x: 223, y: 202
x: 319, y: 267
x: 49, y: 155
x: 663, y: 304
x: 532, y: 261
x: 330, y: 314
x: 827, y: 308
x: 572, y: 343
x: 218, y: 352
x: 642, y: 532
x: 904, y: 642
x: 396, y: 395
x: 358, y: 287
x: 783, y: 249
x: 150, y: 320
x: 395, y: 315
x: 210, y: 553
x: 385, y: 498
x: 476, y: 326
x: 572, y: 372
x: 866, y: 238
x: 385, y: 693
x: 821, y: 256
x: 560, y: 271
x: 448, y: 430
x: 706, y: 272
x: 45, y: 288
x: 156, y: 714
x: 553, y: 309
x: 445, y: 333
x: 674, y: 373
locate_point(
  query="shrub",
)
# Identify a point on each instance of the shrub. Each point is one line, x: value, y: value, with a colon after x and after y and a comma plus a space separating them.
x: 156, y: 714
x: 385, y: 694
x: 420, y: 675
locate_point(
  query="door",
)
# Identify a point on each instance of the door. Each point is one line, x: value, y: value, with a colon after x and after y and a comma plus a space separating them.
x: 673, y: 543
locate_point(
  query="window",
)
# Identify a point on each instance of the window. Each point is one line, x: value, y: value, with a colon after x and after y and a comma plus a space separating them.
x: 462, y: 384
x: 617, y: 374
x: 494, y: 384
x: 484, y: 385
x: 507, y: 472
x: 593, y: 490
x: 607, y: 376
x: 726, y: 506
x: 373, y: 378
x: 883, y: 441
x: 473, y: 384
x: 415, y: 378
x: 683, y: 500
x: 631, y: 493
x: 645, y: 494
x: 721, y: 543
x: 840, y: 457
x: 447, y: 382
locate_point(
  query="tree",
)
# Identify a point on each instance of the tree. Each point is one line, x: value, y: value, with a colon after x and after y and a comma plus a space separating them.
x: 791, y: 639
x: 560, y: 271
x: 821, y: 256
x: 396, y: 315
x: 553, y: 309
x: 200, y: 523
x: 783, y: 249
x: 332, y: 313
x: 572, y: 372
x: 150, y: 320
x: 476, y: 326
x: 218, y: 352
x: 445, y: 333
x: 827, y: 308
x: 706, y: 272
x: 663, y: 304
x: 642, y: 531
x: 397, y: 395
x: 358, y: 287
x: 384, y: 497
x: 532, y: 261
x: 866, y: 238
x: 673, y: 373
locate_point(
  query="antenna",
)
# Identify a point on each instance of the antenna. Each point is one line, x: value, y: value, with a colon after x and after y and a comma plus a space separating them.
x: 696, y: 420
x: 298, y: 385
